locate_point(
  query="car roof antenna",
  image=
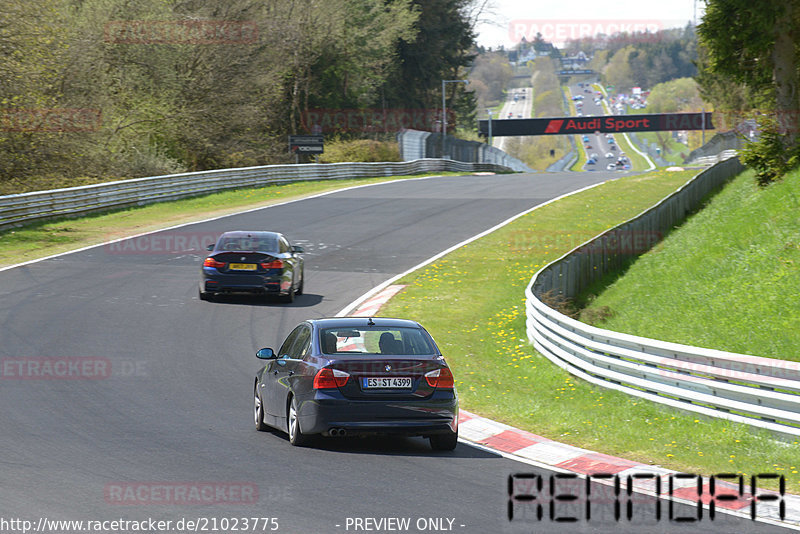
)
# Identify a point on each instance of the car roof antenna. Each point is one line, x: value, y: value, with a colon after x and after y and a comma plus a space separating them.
x: 370, y: 322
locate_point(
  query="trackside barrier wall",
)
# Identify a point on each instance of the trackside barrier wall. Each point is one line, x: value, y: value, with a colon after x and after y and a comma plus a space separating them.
x: 721, y: 142
x: 761, y: 392
x: 26, y: 207
x: 415, y: 144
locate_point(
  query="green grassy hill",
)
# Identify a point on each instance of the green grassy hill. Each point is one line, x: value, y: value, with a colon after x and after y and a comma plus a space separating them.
x: 726, y: 279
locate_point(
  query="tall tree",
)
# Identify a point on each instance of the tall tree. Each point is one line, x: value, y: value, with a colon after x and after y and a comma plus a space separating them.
x: 755, y: 43
x: 443, y: 46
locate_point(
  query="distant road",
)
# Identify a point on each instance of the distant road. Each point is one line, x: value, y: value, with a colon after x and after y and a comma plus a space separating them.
x: 515, y: 109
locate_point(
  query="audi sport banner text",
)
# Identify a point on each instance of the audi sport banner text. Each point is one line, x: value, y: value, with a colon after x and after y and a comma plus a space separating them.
x: 602, y: 124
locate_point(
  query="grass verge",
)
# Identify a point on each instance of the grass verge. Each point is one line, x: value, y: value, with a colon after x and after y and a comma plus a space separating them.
x: 42, y: 239
x: 727, y: 278
x: 675, y: 152
x: 581, y: 152
x: 473, y: 303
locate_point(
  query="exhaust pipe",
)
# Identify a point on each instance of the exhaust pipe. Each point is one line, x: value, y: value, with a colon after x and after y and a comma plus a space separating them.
x: 337, y: 432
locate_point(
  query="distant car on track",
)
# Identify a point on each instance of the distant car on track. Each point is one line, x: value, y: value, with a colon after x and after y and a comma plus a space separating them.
x: 348, y: 376
x: 258, y: 263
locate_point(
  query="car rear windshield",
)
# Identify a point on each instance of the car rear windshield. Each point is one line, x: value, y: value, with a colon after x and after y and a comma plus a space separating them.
x: 248, y: 243
x: 376, y: 340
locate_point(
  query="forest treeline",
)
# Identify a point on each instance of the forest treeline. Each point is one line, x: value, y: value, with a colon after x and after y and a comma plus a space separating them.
x: 640, y: 59
x: 114, y: 88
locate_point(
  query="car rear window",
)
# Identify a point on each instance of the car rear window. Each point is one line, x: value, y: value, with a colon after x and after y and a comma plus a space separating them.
x: 248, y: 243
x: 376, y: 340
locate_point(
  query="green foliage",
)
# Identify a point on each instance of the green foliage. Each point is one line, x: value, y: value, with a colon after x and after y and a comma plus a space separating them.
x: 769, y: 156
x: 739, y: 37
x: 171, y: 105
x: 442, y: 50
x: 751, y: 46
x: 641, y: 59
x: 674, y: 96
x: 360, y: 150
x: 489, y: 78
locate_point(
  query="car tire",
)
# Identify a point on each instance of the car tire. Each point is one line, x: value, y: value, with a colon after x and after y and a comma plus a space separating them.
x: 444, y: 442
x: 258, y: 411
x: 296, y: 436
x: 299, y: 290
x: 205, y: 295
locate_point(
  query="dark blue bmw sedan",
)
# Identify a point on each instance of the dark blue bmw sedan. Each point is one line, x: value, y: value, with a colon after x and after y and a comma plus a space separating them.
x: 259, y: 263
x: 356, y: 375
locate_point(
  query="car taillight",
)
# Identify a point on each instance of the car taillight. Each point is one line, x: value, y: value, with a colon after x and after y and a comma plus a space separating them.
x: 277, y: 264
x: 211, y: 262
x: 330, y: 378
x: 440, y: 378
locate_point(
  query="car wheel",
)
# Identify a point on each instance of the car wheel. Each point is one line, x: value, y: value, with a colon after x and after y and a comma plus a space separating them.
x: 296, y: 436
x: 205, y: 295
x: 258, y: 412
x: 444, y: 442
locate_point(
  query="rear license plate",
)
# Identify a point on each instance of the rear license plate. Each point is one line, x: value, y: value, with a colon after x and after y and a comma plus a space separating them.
x: 243, y: 266
x: 394, y: 382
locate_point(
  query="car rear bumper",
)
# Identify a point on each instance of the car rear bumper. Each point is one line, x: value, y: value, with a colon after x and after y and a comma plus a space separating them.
x: 413, y: 418
x: 240, y: 283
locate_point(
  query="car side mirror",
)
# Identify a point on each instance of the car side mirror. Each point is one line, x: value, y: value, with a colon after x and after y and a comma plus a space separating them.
x: 297, y: 249
x: 265, y: 354
x: 210, y: 247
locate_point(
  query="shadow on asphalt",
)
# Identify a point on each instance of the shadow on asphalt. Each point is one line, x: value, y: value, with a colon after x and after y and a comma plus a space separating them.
x: 306, y: 300
x: 384, y: 446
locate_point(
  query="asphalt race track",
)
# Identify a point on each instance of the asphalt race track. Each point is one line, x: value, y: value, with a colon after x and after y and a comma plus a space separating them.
x: 153, y: 418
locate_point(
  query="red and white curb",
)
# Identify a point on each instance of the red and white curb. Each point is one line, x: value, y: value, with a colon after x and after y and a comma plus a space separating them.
x: 371, y: 306
x: 513, y: 442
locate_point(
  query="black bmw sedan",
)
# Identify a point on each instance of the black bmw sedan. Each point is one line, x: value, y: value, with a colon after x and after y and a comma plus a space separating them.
x: 354, y: 376
x: 260, y: 263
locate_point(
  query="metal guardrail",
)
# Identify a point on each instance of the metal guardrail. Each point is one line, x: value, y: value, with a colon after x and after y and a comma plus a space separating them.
x: 713, y: 160
x: 16, y: 210
x: 761, y: 392
x: 417, y: 144
x: 720, y: 142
